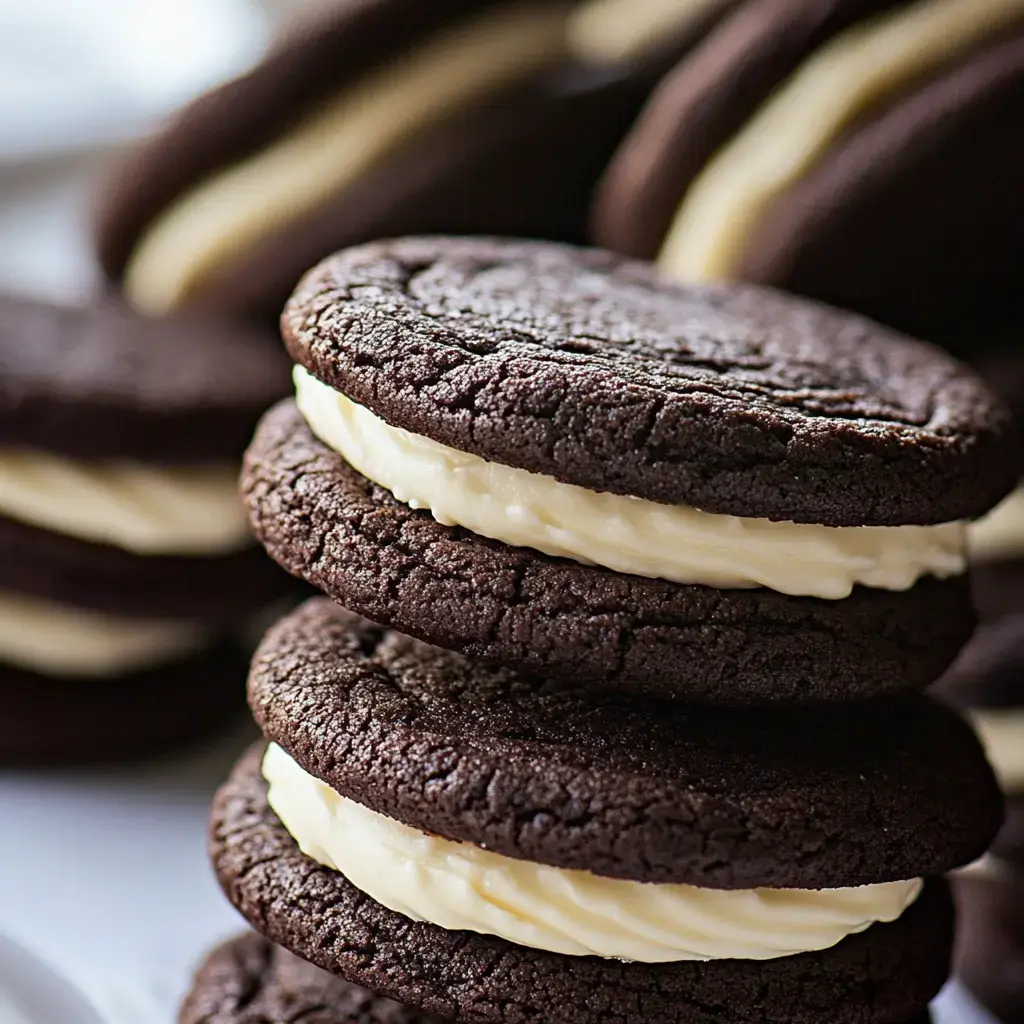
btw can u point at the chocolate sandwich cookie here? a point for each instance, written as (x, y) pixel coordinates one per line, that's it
(489, 846)
(856, 151)
(126, 557)
(556, 459)
(375, 119)
(249, 980)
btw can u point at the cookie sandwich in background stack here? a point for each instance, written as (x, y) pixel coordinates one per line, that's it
(126, 562)
(861, 152)
(593, 838)
(375, 118)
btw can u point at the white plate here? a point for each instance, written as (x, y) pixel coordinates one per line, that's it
(32, 993)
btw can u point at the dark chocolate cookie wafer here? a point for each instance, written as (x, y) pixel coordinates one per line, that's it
(796, 798)
(322, 520)
(141, 714)
(887, 973)
(516, 147)
(249, 980)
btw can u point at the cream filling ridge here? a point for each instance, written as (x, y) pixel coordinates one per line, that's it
(149, 510)
(462, 886)
(336, 145)
(1001, 731)
(794, 127)
(629, 535)
(609, 31)
(1000, 534)
(58, 640)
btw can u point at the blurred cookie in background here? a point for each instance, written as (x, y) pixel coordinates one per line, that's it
(373, 119)
(126, 567)
(862, 152)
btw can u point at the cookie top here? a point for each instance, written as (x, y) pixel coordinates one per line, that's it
(597, 371)
(102, 382)
(801, 799)
(249, 980)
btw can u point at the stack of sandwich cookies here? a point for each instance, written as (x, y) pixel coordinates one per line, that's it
(856, 151)
(490, 846)
(374, 119)
(127, 563)
(557, 460)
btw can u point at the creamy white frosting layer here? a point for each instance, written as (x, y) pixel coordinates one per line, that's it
(335, 145)
(150, 510)
(609, 31)
(843, 78)
(59, 640)
(462, 886)
(1000, 534)
(629, 535)
(1001, 731)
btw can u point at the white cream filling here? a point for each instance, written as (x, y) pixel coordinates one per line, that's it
(629, 535)
(610, 31)
(149, 510)
(336, 145)
(1000, 534)
(58, 640)
(1001, 731)
(462, 886)
(842, 79)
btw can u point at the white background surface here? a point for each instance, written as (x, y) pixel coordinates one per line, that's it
(103, 874)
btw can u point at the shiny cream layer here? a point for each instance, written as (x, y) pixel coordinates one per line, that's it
(57, 640)
(461, 886)
(337, 144)
(609, 31)
(629, 535)
(1000, 535)
(149, 510)
(1001, 731)
(845, 77)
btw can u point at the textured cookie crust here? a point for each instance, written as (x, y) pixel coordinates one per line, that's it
(622, 787)
(885, 974)
(595, 370)
(323, 521)
(102, 382)
(54, 722)
(218, 590)
(249, 980)
(989, 954)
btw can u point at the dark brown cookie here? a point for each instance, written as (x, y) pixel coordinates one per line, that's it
(884, 974)
(221, 590)
(101, 382)
(323, 521)
(249, 980)
(599, 372)
(989, 953)
(700, 105)
(140, 715)
(794, 798)
(914, 217)
(531, 151)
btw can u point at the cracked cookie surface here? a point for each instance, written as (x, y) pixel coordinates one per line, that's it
(622, 787)
(595, 370)
(323, 521)
(887, 973)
